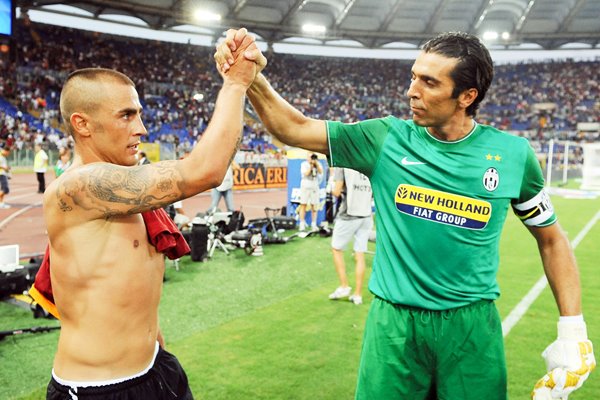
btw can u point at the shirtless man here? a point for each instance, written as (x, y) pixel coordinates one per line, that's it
(106, 275)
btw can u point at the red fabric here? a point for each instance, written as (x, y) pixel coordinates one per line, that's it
(162, 233)
(42, 278)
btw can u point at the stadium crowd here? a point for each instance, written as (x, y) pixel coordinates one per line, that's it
(178, 84)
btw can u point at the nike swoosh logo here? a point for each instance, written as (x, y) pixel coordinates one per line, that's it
(405, 161)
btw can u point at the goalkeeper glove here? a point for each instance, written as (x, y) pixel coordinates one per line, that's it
(569, 361)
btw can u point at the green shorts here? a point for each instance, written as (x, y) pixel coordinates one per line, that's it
(417, 354)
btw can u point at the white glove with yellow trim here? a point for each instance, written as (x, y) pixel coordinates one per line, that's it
(569, 361)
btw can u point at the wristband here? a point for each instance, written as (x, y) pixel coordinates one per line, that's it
(572, 328)
(571, 318)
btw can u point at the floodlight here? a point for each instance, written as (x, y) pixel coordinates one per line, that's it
(312, 28)
(205, 15)
(505, 35)
(490, 35)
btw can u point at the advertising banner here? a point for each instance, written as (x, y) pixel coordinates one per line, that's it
(258, 176)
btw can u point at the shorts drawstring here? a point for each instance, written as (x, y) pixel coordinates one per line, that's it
(427, 316)
(446, 316)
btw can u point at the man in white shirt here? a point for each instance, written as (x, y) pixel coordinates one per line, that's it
(311, 173)
(224, 190)
(353, 220)
(40, 164)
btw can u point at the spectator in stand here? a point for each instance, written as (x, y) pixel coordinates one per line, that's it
(362, 88)
(40, 165)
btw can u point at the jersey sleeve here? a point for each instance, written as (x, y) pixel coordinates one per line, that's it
(534, 207)
(357, 145)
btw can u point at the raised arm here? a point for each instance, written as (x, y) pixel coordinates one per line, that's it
(103, 190)
(284, 121)
(280, 118)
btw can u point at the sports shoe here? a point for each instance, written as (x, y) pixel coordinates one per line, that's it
(314, 227)
(340, 293)
(356, 299)
(4, 205)
(302, 226)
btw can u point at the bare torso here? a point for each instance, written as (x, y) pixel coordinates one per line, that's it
(106, 276)
(107, 281)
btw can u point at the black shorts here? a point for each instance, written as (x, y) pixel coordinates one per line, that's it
(165, 380)
(4, 184)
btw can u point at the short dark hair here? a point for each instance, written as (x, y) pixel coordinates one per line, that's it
(69, 99)
(98, 73)
(313, 156)
(474, 69)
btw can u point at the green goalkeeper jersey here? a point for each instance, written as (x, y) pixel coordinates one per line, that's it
(440, 206)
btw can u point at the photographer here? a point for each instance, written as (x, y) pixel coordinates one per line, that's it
(224, 190)
(311, 172)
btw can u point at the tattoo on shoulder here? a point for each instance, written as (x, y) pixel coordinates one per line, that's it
(116, 190)
(64, 206)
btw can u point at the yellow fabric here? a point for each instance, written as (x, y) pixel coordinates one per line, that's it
(40, 162)
(43, 302)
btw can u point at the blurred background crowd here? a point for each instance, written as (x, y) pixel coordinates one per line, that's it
(178, 84)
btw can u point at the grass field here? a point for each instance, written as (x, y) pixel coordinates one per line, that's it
(262, 328)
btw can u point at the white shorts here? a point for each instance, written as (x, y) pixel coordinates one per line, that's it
(309, 194)
(345, 229)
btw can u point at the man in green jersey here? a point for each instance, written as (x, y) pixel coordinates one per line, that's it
(442, 186)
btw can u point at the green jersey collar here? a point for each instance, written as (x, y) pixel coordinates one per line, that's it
(446, 144)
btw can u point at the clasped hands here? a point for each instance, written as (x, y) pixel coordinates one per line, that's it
(238, 47)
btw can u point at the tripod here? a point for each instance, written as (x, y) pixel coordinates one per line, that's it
(215, 241)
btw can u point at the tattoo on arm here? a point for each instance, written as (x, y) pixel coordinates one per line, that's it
(235, 150)
(116, 190)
